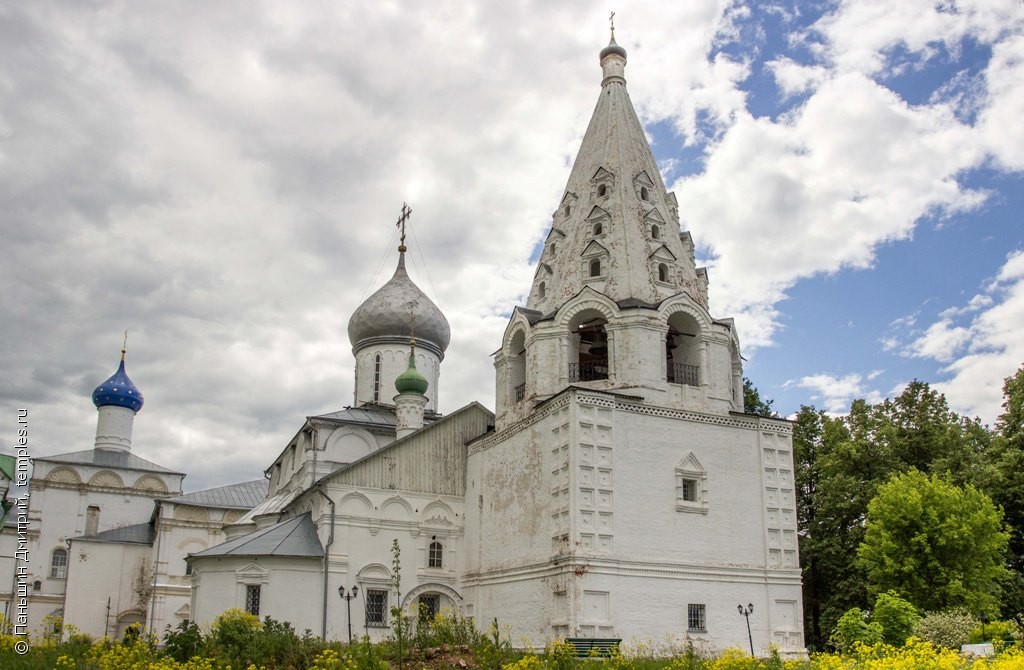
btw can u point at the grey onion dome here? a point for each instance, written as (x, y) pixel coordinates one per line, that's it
(394, 309)
(612, 48)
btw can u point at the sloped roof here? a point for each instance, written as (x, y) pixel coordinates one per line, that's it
(272, 505)
(7, 465)
(292, 537)
(245, 495)
(108, 458)
(139, 533)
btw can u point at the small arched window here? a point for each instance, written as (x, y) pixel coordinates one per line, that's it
(37, 585)
(644, 195)
(598, 228)
(602, 191)
(568, 210)
(59, 564)
(542, 290)
(436, 557)
(655, 232)
(662, 272)
(595, 267)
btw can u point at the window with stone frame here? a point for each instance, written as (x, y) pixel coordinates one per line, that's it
(429, 606)
(691, 485)
(376, 608)
(696, 618)
(59, 564)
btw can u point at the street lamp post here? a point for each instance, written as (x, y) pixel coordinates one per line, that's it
(746, 612)
(348, 596)
(983, 618)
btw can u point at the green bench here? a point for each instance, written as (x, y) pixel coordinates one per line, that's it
(593, 647)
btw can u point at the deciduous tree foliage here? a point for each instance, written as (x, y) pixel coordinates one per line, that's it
(842, 461)
(936, 544)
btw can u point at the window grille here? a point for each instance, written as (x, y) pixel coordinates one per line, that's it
(696, 621)
(252, 599)
(376, 378)
(376, 607)
(430, 605)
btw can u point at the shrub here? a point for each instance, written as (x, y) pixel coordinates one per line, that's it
(853, 627)
(183, 642)
(896, 616)
(995, 631)
(949, 629)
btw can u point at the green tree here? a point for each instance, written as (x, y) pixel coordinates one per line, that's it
(854, 627)
(1006, 486)
(938, 545)
(753, 403)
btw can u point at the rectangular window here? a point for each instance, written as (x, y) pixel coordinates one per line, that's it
(688, 491)
(436, 555)
(59, 564)
(695, 618)
(252, 599)
(430, 605)
(376, 607)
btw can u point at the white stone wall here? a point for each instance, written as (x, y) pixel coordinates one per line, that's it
(584, 529)
(291, 588)
(108, 585)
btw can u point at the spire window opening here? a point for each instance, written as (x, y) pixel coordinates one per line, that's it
(598, 228)
(595, 267)
(682, 350)
(376, 378)
(655, 233)
(602, 191)
(568, 210)
(662, 272)
(644, 195)
(589, 348)
(542, 291)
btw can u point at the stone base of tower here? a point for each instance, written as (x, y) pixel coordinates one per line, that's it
(608, 517)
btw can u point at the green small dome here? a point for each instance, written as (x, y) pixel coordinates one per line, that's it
(411, 381)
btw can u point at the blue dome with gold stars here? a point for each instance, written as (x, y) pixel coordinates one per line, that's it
(118, 391)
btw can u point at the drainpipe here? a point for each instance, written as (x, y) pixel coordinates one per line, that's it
(327, 555)
(156, 563)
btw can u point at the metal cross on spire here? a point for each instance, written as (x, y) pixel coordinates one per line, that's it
(406, 213)
(124, 347)
(611, 19)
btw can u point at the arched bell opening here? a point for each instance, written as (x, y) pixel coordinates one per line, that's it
(588, 347)
(682, 350)
(517, 366)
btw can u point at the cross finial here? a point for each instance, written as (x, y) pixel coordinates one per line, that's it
(124, 346)
(611, 20)
(406, 213)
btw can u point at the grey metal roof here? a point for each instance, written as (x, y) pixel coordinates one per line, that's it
(108, 458)
(368, 414)
(292, 537)
(139, 533)
(245, 495)
(271, 505)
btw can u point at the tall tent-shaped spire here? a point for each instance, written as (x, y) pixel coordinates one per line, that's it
(617, 302)
(616, 228)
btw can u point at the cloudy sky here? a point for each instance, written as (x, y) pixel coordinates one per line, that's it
(222, 180)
